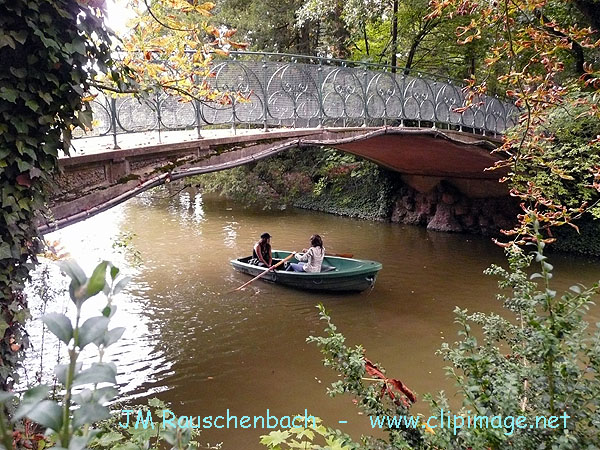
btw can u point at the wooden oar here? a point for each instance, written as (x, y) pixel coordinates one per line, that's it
(341, 255)
(290, 256)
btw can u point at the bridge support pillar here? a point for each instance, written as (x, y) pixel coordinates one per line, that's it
(117, 169)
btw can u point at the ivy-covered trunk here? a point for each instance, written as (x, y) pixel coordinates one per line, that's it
(49, 59)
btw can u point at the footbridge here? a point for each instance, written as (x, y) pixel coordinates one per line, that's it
(404, 121)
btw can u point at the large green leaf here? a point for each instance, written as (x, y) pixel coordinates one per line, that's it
(97, 281)
(30, 399)
(92, 329)
(73, 270)
(89, 413)
(59, 325)
(111, 336)
(48, 414)
(97, 373)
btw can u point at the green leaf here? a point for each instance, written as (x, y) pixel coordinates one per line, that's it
(114, 271)
(66, 137)
(334, 443)
(126, 446)
(33, 105)
(61, 371)
(98, 279)
(7, 40)
(108, 439)
(121, 284)
(23, 166)
(20, 36)
(48, 414)
(109, 311)
(100, 395)
(73, 270)
(31, 399)
(19, 72)
(112, 336)
(5, 252)
(46, 97)
(274, 438)
(8, 94)
(97, 373)
(156, 403)
(89, 413)
(59, 325)
(91, 330)
(85, 117)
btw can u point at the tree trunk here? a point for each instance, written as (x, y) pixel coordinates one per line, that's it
(341, 35)
(394, 36)
(411, 56)
(590, 9)
(427, 27)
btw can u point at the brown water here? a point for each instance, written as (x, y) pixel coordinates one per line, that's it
(191, 342)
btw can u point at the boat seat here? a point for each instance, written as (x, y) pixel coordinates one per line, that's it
(326, 268)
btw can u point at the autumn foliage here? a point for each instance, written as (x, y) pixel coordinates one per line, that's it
(170, 47)
(542, 48)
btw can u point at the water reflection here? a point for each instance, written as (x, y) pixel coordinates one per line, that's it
(90, 242)
(205, 349)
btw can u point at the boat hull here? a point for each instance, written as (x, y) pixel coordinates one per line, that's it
(347, 275)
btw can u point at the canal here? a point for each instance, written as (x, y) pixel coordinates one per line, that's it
(192, 342)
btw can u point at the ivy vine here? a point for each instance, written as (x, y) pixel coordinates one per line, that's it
(51, 51)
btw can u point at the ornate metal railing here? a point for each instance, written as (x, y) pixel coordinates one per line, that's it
(303, 91)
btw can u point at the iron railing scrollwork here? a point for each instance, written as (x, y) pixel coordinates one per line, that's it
(282, 90)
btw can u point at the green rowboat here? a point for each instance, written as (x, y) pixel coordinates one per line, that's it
(337, 274)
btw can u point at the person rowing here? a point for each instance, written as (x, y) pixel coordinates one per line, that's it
(261, 253)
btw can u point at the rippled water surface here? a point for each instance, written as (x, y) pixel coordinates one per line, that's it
(194, 343)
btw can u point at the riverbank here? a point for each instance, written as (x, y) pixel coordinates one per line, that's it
(333, 182)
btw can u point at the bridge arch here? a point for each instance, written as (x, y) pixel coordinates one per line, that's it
(93, 183)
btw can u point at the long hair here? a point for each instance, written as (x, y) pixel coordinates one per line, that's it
(264, 243)
(316, 241)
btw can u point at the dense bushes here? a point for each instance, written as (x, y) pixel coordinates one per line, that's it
(319, 179)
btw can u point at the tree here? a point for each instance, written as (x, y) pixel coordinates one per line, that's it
(269, 25)
(541, 358)
(170, 48)
(342, 22)
(542, 47)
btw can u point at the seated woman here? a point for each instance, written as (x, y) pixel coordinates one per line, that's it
(261, 253)
(313, 256)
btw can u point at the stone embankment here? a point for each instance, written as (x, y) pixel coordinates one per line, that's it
(445, 208)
